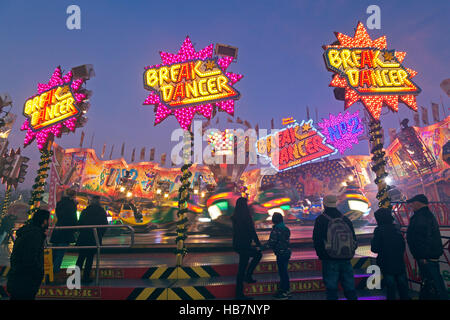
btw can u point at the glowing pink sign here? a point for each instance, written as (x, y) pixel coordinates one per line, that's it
(58, 107)
(342, 131)
(190, 82)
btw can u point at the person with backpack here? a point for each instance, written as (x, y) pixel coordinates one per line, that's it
(279, 242)
(388, 242)
(425, 243)
(244, 233)
(335, 244)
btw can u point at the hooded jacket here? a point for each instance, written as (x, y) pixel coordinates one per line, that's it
(321, 229)
(66, 213)
(27, 260)
(423, 235)
(388, 242)
(279, 240)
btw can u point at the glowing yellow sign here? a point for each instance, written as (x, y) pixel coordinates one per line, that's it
(370, 70)
(49, 107)
(190, 83)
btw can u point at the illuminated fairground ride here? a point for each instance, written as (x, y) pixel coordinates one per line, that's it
(143, 195)
(230, 158)
(299, 191)
(230, 149)
(416, 160)
(160, 211)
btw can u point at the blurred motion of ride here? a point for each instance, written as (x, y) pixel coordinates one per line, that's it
(271, 199)
(308, 209)
(353, 203)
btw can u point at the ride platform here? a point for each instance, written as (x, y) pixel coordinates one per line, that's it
(204, 276)
(162, 240)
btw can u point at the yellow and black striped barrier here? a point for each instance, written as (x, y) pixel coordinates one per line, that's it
(362, 263)
(175, 273)
(148, 294)
(189, 293)
(179, 293)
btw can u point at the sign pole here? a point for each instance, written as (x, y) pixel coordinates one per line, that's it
(42, 174)
(379, 164)
(183, 197)
(6, 200)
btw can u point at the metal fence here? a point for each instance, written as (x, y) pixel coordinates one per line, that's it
(403, 211)
(97, 246)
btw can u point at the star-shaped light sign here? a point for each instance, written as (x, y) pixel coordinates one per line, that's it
(190, 82)
(342, 131)
(370, 73)
(56, 108)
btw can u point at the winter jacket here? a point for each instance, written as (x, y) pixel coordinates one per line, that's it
(93, 215)
(66, 213)
(27, 261)
(279, 240)
(321, 229)
(423, 235)
(244, 232)
(388, 242)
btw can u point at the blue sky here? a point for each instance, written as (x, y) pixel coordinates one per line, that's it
(280, 56)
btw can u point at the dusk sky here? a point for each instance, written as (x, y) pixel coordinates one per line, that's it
(280, 56)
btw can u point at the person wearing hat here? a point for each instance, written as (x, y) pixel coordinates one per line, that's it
(66, 215)
(94, 214)
(335, 267)
(425, 243)
(388, 242)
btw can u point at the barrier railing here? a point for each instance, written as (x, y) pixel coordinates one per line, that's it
(97, 246)
(403, 212)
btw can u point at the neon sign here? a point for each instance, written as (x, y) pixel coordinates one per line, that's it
(295, 145)
(50, 107)
(56, 108)
(342, 131)
(190, 82)
(370, 73)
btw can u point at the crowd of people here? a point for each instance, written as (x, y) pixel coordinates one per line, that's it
(27, 257)
(335, 244)
(334, 240)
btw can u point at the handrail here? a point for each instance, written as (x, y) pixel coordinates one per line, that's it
(90, 227)
(97, 246)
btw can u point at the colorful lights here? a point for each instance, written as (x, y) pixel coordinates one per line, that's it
(221, 142)
(294, 146)
(57, 107)
(190, 82)
(276, 202)
(223, 195)
(370, 73)
(342, 131)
